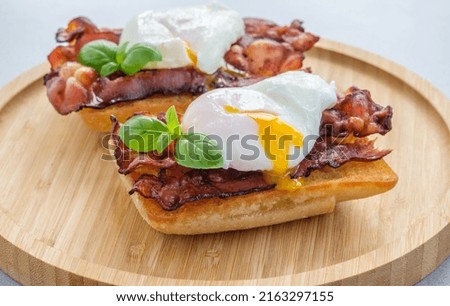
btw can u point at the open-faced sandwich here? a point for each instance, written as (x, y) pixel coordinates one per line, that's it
(164, 58)
(282, 149)
(215, 125)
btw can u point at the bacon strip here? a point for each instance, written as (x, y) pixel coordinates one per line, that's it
(147, 83)
(79, 32)
(335, 153)
(70, 89)
(77, 86)
(173, 190)
(129, 160)
(356, 114)
(267, 49)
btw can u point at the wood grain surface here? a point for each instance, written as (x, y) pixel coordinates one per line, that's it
(66, 219)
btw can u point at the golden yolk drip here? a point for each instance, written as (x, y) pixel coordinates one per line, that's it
(191, 54)
(276, 137)
(284, 182)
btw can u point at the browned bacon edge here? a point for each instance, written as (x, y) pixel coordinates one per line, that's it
(356, 114)
(129, 160)
(335, 152)
(174, 189)
(265, 50)
(79, 32)
(161, 178)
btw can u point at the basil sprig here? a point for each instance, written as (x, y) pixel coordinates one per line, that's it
(106, 57)
(193, 150)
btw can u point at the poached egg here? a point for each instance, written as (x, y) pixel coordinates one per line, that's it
(269, 126)
(194, 36)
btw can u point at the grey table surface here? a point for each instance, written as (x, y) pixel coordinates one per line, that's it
(413, 33)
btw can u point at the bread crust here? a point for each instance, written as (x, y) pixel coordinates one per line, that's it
(318, 195)
(99, 119)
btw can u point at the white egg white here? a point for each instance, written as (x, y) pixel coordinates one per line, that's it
(207, 30)
(296, 97)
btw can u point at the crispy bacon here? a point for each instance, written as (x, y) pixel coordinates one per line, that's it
(148, 82)
(129, 160)
(77, 86)
(356, 114)
(79, 32)
(267, 49)
(335, 152)
(70, 89)
(173, 189)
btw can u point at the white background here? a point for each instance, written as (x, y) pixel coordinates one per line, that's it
(414, 33)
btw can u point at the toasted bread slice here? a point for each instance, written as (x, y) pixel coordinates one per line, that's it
(99, 119)
(318, 195)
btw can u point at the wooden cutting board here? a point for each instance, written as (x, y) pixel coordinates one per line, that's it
(66, 219)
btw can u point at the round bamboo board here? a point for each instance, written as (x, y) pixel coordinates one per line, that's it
(66, 219)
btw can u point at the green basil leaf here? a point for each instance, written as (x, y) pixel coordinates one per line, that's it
(172, 121)
(97, 53)
(198, 151)
(138, 56)
(109, 68)
(163, 142)
(121, 52)
(141, 133)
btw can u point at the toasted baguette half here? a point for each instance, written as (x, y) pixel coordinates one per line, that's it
(99, 119)
(318, 195)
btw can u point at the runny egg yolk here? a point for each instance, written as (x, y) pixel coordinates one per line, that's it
(276, 137)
